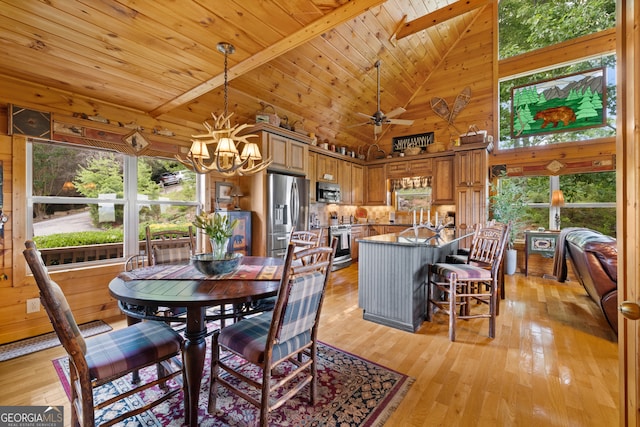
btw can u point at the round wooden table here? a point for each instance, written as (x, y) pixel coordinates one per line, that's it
(171, 286)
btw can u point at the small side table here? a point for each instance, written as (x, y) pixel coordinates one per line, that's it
(541, 243)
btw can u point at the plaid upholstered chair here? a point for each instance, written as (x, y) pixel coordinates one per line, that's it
(452, 287)
(106, 357)
(170, 246)
(287, 335)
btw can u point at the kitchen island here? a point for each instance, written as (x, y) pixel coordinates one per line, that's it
(392, 274)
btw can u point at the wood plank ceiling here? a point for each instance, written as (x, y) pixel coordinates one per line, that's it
(312, 60)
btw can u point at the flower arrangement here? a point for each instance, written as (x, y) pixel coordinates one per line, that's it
(218, 228)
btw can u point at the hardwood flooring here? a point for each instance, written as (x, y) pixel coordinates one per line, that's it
(554, 361)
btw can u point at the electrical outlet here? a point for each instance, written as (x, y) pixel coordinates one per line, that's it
(33, 305)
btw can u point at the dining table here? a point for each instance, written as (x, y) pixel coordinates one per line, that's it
(183, 286)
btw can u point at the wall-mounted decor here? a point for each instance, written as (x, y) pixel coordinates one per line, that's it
(421, 140)
(24, 121)
(575, 101)
(442, 109)
(223, 192)
(136, 140)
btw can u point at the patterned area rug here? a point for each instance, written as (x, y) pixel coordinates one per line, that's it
(42, 342)
(351, 392)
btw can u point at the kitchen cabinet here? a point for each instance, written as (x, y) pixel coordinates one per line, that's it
(421, 167)
(442, 181)
(375, 186)
(357, 182)
(344, 180)
(357, 232)
(326, 168)
(311, 176)
(471, 167)
(471, 170)
(287, 155)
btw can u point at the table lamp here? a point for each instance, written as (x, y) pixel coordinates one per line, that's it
(236, 193)
(557, 200)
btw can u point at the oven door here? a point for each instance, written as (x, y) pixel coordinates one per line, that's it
(343, 250)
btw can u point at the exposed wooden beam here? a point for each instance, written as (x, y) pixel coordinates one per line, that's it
(439, 16)
(340, 15)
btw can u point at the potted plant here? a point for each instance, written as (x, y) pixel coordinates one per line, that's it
(219, 230)
(508, 201)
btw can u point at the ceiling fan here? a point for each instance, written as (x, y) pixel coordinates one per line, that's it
(379, 118)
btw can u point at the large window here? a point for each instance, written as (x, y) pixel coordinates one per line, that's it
(590, 201)
(526, 25)
(90, 205)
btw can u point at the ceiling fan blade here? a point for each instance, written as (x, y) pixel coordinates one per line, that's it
(358, 124)
(368, 116)
(400, 122)
(395, 112)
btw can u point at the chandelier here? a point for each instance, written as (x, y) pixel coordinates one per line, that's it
(234, 154)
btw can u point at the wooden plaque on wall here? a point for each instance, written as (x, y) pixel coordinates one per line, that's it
(24, 121)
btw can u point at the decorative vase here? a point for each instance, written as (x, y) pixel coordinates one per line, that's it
(511, 262)
(219, 248)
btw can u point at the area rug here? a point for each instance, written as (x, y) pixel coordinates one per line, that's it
(351, 392)
(48, 340)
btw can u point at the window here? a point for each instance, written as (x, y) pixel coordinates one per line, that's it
(90, 205)
(526, 25)
(590, 201)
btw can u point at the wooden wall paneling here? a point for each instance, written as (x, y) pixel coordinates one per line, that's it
(628, 197)
(561, 53)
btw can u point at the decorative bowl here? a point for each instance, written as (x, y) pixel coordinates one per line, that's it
(206, 264)
(412, 151)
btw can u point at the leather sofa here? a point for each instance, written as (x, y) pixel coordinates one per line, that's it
(594, 259)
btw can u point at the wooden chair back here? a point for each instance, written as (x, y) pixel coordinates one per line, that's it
(170, 246)
(488, 246)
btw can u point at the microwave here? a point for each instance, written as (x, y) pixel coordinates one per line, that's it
(328, 192)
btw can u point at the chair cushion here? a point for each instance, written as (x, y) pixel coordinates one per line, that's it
(299, 314)
(171, 255)
(463, 271)
(248, 338)
(130, 348)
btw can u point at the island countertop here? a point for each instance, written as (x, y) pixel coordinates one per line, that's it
(424, 237)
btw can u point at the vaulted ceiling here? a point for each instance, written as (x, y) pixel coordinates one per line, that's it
(312, 60)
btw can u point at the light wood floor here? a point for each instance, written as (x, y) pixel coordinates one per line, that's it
(553, 361)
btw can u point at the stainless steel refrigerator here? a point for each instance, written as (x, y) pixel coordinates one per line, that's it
(287, 209)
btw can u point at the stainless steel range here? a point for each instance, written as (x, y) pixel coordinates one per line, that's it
(343, 251)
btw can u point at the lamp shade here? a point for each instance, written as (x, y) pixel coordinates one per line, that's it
(226, 148)
(236, 192)
(251, 151)
(199, 150)
(557, 198)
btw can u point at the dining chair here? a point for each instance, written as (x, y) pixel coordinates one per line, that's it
(170, 246)
(285, 337)
(106, 357)
(452, 287)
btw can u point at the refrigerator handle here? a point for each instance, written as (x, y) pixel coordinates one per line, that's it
(295, 204)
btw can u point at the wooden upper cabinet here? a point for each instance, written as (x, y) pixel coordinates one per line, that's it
(311, 175)
(344, 180)
(287, 155)
(442, 181)
(405, 168)
(471, 168)
(357, 182)
(375, 188)
(326, 168)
